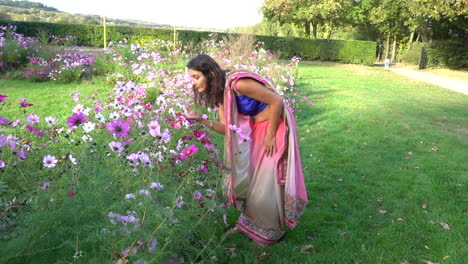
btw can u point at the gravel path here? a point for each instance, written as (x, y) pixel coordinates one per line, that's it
(452, 84)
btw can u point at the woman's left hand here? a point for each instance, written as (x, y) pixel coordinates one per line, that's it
(270, 145)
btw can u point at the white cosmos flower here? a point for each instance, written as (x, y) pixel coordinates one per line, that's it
(114, 116)
(87, 138)
(88, 127)
(51, 120)
(72, 159)
(100, 118)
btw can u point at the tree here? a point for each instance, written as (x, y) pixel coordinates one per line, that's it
(308, 14)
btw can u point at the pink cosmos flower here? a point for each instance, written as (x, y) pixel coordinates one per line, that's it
(179, 201)
(156, 186)
(144, 192)
(16, 122)
(190, 151)
(199, 134)
(129, 196)
(198, 196)
(152, 245)
(176, 125)
(32, 118)
(203, 168)
(235, 128)
(119, 128)
(45, 186)
(49, 161)
(116, 146)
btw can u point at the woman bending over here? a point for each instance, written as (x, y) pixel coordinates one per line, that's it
(264, 178)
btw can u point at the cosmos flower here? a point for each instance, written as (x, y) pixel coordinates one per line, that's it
(156, 186)
(3, 97)
(119, 128)
(22, 102)
(32, 118)
(45, 186)
(100, 118)
(88, 127)
(76, 119)
(49, 161)
(198, 196)
(116, 146)
(190, 151)
(72, 159)
(129, 196)
(51, 120)
(4, 121)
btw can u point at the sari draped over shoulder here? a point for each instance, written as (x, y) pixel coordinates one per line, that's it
(269, 191)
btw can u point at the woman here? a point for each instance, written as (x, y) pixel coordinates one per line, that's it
(264, 179)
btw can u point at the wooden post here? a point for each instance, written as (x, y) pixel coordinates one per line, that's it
(105, 32)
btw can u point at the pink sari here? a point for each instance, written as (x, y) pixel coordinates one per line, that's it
(269, 191)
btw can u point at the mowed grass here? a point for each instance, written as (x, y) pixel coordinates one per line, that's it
(384, 159)
(386, 169)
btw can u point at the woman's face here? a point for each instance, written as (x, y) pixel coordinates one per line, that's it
(198, 80)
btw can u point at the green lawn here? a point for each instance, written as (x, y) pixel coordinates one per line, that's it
(377, 148)
(385, 164)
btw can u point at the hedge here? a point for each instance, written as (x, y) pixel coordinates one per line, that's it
(437, 54)
(347, 51)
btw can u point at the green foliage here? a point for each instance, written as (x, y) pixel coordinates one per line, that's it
(413, 54)
(361, 52)
(448, 53)
(440, 54)
(351, 51)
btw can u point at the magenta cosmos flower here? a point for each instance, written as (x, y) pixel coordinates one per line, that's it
(190, 151)
(4, 121)
(76, 119)
(3, 97)
(22, 102)
(119, 128)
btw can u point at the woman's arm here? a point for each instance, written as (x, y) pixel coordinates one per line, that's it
(258, 91)
(215, 126)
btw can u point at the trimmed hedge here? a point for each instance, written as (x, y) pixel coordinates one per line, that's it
(347, 51)
(438, 54)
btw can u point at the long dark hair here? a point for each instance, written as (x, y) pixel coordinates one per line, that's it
(215, 80)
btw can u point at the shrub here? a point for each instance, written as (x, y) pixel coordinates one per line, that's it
(447, 53)
(347, 51)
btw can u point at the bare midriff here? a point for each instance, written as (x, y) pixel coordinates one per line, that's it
(263, 115)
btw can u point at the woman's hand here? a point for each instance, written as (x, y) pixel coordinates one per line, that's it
(270, 145)
(193, 115)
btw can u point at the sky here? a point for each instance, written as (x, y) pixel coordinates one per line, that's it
(215, 14)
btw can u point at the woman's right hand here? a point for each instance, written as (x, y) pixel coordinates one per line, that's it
(193, 115)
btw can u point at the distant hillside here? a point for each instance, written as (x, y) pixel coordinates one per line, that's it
(34, 11)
